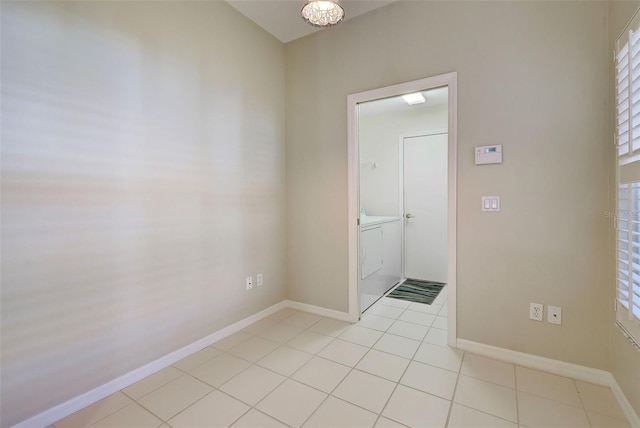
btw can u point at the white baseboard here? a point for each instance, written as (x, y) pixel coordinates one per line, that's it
(587, 374)
(69, 407)
(317, 310)
(627, 408)
(561, 368)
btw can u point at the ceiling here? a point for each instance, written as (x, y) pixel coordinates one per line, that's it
(433, 97)
(282, 17)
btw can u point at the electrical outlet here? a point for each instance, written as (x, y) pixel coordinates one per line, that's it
(554, 314)
(259, 279)
(249, 283)
(535, 311)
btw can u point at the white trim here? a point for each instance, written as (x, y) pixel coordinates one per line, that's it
(403, 277)
(81, 401)
(627, 321)
(627, 408)
(449, 80)
(452, 223)
(317, 310)
(561, 368)
(575, 371)
(353, 207)
(412, 134)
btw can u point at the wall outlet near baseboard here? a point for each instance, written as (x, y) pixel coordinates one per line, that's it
(554, 314)
(249, 283)
(535, 311)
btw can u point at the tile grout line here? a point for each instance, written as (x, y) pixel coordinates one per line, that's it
(334, 388)
(106, 416)
(173, 416)
(289, 377)
(217, 388)
(460, 374)
(329, 394)
(455, 388)
(354, 367)
(184, 372)
(281, 345)
(395, 388)
(584, 408)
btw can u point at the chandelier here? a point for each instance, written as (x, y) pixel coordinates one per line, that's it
(323, 13)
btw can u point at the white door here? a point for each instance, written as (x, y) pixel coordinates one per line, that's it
(425, 207)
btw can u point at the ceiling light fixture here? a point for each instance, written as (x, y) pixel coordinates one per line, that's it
(322, 13)
(415, 98)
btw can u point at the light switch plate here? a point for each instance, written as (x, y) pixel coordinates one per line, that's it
(491, 203)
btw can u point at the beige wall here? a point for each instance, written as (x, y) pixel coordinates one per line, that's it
(143, 178)
(625, 361)
(532, 77)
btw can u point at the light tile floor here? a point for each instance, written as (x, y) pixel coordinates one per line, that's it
(391, 369)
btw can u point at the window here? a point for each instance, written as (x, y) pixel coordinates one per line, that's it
(628, 181)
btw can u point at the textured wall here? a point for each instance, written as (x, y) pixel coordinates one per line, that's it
(143, 178)
(532, 76)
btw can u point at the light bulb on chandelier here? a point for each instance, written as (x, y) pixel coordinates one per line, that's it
(322, 13)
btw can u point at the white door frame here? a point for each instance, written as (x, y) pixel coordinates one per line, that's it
(401, 139)
(449, 80)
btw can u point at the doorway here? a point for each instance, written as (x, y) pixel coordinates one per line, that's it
(358, 165)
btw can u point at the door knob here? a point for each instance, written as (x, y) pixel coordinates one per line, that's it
(410, 216)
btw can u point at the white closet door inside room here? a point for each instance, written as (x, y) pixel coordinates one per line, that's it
(425, 207)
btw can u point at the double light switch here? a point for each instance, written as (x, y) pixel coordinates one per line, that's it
(491, 203)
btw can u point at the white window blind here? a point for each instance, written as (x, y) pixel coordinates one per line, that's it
(628, 181)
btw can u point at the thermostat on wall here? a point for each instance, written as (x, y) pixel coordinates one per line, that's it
(488, 154)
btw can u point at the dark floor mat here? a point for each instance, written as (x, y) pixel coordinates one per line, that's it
(418, 291)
